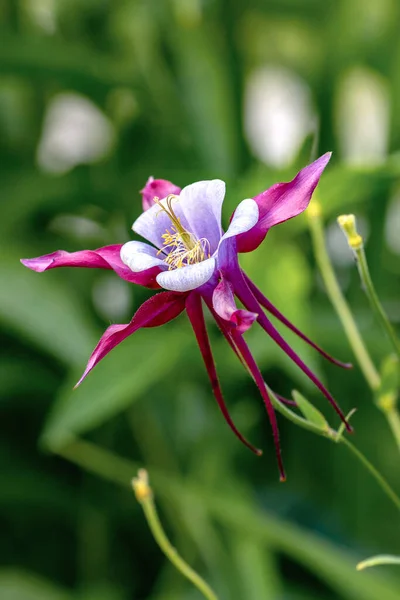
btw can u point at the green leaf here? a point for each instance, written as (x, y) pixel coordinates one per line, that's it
(123, 377)
(312, 414)
(380, 559)
(293, 416)
(43, 310)
(22, 585)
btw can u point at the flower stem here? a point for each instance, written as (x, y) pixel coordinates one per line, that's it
(348, 225)
(335, 294)
(144, 496)
(374, 472)
(337, 437)
(365, 276)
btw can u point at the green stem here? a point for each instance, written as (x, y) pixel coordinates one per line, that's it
(374, 472)
(337, 437)
(144, 495)
(314, 553)
(387, 403)
(338, 300)
(365, 276)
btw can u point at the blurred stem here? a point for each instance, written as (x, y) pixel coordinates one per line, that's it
(114, 468)
(144, 496)
(149, 436)
(156, 451)
(310, 550)
(337, 298)
(393, 418)
(365, 276)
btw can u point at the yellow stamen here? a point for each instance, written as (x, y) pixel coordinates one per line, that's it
(185, 248)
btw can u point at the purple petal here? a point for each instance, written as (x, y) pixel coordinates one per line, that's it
(107, 257)
(225, 330)
(259, 381)
(247, 298)
(224, 305)
(201, 203)
(159, 188)
(187, 278)
(283, 201)
(139, 256)
(157, 310)
(274, 311)
(227, 333)
(196, 317)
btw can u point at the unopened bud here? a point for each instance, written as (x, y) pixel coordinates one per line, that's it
(141, 486)
(347, 224)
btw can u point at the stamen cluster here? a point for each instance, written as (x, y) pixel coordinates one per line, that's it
(184, 248)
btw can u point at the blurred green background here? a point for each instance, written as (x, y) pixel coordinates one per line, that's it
(95, 96)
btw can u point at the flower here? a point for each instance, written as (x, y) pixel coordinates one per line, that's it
(188, 254)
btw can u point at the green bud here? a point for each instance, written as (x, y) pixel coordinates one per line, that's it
(347, 224)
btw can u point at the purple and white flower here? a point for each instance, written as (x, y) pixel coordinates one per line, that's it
(188, 254)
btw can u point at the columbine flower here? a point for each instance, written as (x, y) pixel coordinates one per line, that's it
(190, 256)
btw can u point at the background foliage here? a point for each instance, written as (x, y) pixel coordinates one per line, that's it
(173, 83)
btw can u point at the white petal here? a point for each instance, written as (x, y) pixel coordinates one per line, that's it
(139, 256)
(201, 203)
(245, 217)
(187, 278)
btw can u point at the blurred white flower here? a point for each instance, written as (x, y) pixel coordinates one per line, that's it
(278, 114)
(75, 131)
(362, 116)
(42, 13)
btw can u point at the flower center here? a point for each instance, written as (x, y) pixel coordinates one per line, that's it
(184, 247)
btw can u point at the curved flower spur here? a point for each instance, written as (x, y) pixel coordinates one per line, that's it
(190, 257)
